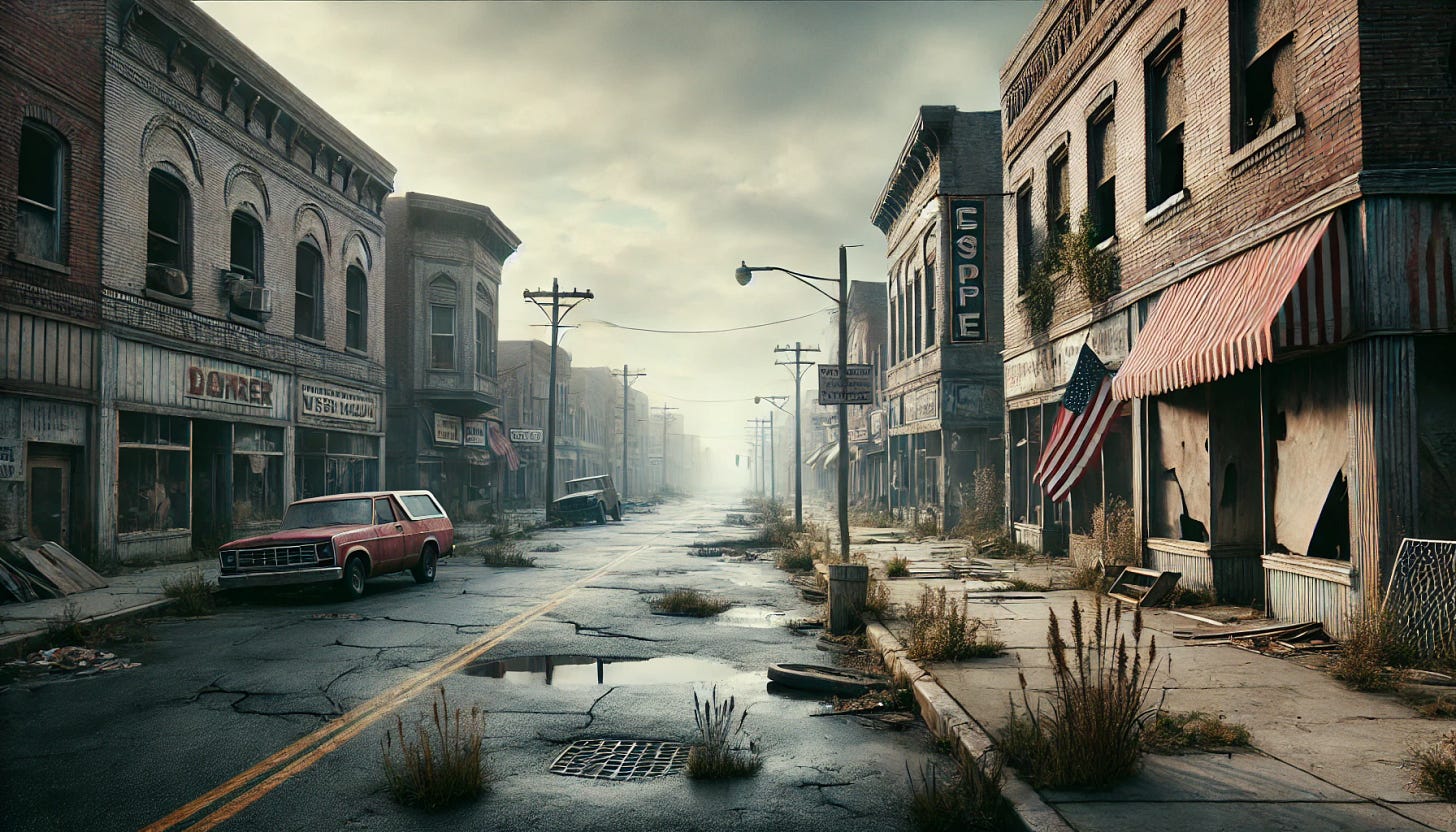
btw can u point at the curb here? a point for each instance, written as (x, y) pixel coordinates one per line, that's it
(947, 719)
(35, 638)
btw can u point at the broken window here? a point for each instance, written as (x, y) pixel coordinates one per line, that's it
(1059, 197)
(331, 462)
(39, 193)
(257, 473)
(1102, 171)
(308, 295)
(167, 235)
(153, 472)
(356, 305)
(1164, 75)
(484, 340)
(1023, 236)
(1263, 72)
(245, 259)
(1025, 450)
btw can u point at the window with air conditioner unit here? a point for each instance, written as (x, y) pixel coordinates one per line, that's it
(242, 282)
(168, 236)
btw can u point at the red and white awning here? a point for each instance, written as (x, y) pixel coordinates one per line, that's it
(1222, 320)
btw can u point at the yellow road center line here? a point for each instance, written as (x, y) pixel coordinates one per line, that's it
(304, 752)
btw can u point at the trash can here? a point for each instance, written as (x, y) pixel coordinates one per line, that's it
(847, 585)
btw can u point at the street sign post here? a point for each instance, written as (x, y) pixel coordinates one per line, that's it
(857, 386)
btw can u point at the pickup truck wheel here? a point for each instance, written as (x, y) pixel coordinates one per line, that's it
(352, 586)
(601, 514)
(617, 512)
(424, 570)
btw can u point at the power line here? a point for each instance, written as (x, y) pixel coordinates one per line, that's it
(707, 331)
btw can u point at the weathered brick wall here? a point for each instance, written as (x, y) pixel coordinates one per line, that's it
(50, 72)
(1408, 82)
(157, 120)
(1228, 191)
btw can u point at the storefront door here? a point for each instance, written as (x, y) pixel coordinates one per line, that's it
(212, 479)
(48, 481)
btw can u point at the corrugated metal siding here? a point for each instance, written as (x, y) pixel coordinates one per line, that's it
(1297, 597)
(48, 352)
(1382, 465)
(1235, 577)
(1028, 536)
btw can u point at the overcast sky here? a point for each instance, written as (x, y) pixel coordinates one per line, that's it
(643, 149)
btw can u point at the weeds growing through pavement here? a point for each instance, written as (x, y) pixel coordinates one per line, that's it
(547, 547)
(1435, 768)
(1166, 733)
(505, 553)
(877, 599)
(192, 593)
(928, 525)
(1087, 733)
(722, 747)
(1375, 644)
(689, 602)
(1022, 585)
(440, 767)
(971, 800)
(775, 526)
(1441, 707)
(1198, 596)
(67, 628)
(1089, 577)
(791, 560)
(897, 567)
(940, 631)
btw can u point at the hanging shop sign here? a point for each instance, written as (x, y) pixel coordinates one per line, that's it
(12, 460)
(527, 436)
(233, 388)
(447, 429)
(857, 386)
(475, 433)
(326, 401)
(967, 284)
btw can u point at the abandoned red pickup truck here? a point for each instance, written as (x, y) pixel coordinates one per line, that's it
(343, 539)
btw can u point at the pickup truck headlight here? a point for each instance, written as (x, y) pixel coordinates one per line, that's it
(326, 551)
(229, 560)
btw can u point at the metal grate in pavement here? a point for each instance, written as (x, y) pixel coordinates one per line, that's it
(621, 759)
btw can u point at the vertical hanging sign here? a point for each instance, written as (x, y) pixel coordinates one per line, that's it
(967, 284)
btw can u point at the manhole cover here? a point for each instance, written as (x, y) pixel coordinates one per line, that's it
(621, 759)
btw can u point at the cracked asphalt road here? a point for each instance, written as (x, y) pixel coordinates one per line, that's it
(215, 696)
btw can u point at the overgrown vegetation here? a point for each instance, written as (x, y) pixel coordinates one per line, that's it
(547, 547)
(191, 593)
(1439, 707)
(722, 748)
(1087, 733)
(1023, 585)
(1093, 271)
(970, 800)
(878, 519)
(775, 526)
(689, 602)
(1435, 768)
(505, 554)
(793, 560)
(981, 503)
(1191, 596)
(67, 629)
(877, 599)
(1166, 733)
(897, 567)
(940, 631)
(1375, 646)
(1090, 577)
(1115, 529)
(439, 768)
(1039, 292)
(927, 524)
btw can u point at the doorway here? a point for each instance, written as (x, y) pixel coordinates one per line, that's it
(48, 484)
(212, 483)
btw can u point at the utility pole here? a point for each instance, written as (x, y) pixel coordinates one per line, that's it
(666, 418)
(628, 379)
(797, 367)
(555, 312)
(765, 471)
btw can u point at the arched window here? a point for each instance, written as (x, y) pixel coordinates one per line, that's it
(246, 255)
(308, 294)
(443, 303)
(356, 305)
(169, 218)
(40, 192)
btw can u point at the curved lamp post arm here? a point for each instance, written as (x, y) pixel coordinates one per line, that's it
(744, 273)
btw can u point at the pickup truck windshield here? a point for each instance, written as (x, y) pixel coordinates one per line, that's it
(583, 485)
(329, 513)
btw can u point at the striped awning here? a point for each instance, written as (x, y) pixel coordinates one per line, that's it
(813, 459)
(1221, 321)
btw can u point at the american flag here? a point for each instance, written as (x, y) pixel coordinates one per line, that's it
(1087, 409)
(502, 446)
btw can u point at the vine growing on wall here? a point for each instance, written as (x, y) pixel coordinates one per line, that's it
(1039, 297)
(1094, 271)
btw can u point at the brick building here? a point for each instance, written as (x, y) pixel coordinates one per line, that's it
(940, 212)
(869, 475)
(1274, 181)
(442, 285)
(50, 269)
(588, 439)
(524, 373)
(242, 349)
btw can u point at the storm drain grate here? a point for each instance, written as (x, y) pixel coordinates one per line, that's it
(621, 759)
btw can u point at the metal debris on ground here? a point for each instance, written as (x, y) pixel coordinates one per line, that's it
(609, 759)
(79, 661)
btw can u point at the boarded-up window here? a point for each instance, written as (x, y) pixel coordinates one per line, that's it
(1436, 401)
(1164, 74)
(39, 193)
(1102, 171)
(308, 291)
(1263, 71)
(1058, 196)
(1308, 405)
(1178, 479)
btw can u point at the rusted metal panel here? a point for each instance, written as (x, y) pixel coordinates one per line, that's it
(1383, 469)
(52, 353)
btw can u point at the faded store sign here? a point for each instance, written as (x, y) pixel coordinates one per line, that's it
(967, 284)
(43, 421)
(475, 433)
(923, 404)
(328, 402)
(527, 436)
(971, 400)
(12, 460)
(233, 388)
(447, 429)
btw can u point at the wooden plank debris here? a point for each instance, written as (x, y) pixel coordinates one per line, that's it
(1125, 588)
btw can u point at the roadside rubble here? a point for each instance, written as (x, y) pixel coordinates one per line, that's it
(34, 569)
(77, 661)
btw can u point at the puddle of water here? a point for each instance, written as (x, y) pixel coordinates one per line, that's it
(758, 617)
(579, 671)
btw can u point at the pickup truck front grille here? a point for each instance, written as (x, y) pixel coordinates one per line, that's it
(279, 556)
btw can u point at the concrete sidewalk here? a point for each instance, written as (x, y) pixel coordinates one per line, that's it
(1324, 757)
(135, 592)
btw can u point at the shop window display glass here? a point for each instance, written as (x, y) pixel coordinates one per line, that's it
(330, 462)
(257, 473)
(153, 473)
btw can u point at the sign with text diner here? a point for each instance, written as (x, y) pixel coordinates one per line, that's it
(527, 436)
(326, 401)
(474, 433)
(233, 388)
(857, 386)
(447, 429)
(967, 282)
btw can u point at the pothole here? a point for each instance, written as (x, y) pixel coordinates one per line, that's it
(759, 617)
(608, 759)
(580, 671)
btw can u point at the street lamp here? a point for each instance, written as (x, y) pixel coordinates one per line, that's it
(744, 274)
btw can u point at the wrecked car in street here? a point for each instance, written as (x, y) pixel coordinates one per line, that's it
(343, 539)
(588, 498)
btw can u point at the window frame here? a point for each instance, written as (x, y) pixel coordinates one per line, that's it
(317, 284)
(1058, 192)
(59, 163)
(1102, 186)
(1025, 234)
(1243, 62)
(159, 177)
(1157, 67)
(447, 313)
(356, 317)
